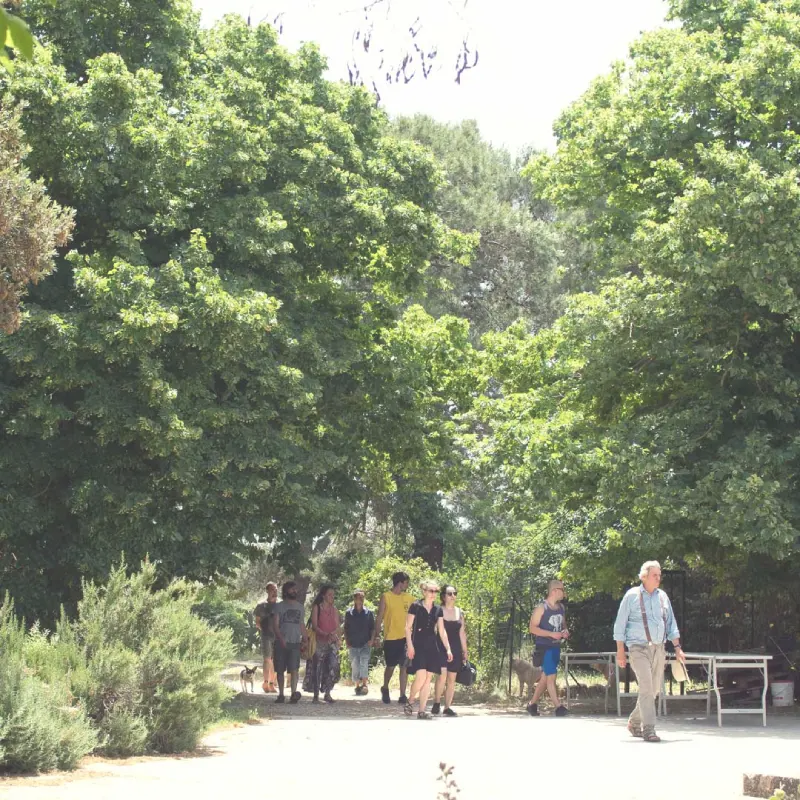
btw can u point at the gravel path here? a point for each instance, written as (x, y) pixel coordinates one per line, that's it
(342, 751)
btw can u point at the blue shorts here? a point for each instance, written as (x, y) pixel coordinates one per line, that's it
(551, 658)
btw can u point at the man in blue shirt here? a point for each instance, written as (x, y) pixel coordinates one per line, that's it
(644, 622)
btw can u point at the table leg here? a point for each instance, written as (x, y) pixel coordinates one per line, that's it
(619, 702)
(708, 690)
(566, 674)
(764, 697)
(716, 691)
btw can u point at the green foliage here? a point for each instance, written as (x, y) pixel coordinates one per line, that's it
(151, 660)
(217, 606)
(216, 366)
(41, 726)
(159, 35)
(14, 34)
(378, 578)
(514, 272)
(659, 412)
(33, 225)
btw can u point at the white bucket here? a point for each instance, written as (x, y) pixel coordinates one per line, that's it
(782, 693)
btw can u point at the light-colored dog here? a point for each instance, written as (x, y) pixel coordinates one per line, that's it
(246, 677)
(527, 674)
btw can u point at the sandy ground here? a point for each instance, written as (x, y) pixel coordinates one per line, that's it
(362, 748)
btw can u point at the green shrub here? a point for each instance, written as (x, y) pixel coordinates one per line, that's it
(150, 659)
(124, 733)
(41, 726)
(378, 579)
(219, 608)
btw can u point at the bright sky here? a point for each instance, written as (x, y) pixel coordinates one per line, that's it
(536, 56)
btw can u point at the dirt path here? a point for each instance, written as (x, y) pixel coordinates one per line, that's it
(343, 751)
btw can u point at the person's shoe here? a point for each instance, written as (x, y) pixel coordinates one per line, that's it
(280, 699)
(652, 736)
(358, 690)
(328, 698)
(633, 731)
(364, 690)
(384, 694)
(436, 708)
(533, 709)
(448, 712)
(295, 697)
(561, 711)
(315, 699)
(402, 699)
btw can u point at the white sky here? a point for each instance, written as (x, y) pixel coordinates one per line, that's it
(536, 56)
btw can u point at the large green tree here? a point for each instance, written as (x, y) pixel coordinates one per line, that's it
(660, 412)
(514, 274)
(212, 366)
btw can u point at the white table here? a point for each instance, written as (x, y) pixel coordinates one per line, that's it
(704, 659)
(740, 661)
(713, 662)
(605, 658)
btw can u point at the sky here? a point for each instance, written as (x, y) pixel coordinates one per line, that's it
(535, 56)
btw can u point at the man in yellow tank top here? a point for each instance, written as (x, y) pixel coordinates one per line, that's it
(392, 612)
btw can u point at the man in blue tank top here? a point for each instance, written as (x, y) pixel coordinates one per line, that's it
(548, 625)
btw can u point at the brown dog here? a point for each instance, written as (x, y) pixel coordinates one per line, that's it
(527, 674)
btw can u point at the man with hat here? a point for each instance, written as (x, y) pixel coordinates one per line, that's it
(359, 628)
(644, 622)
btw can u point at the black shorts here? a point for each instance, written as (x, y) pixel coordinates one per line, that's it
(287, 659)
(394, 652)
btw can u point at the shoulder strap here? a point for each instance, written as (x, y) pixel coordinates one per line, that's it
(644, 617)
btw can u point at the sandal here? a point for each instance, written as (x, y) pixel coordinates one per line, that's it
(408, 709)
(423, 715)
(634, 731)
(651, 737)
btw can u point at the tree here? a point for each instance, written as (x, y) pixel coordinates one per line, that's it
(514, 273)
(660, 411)
(200, 376)
(31, 225)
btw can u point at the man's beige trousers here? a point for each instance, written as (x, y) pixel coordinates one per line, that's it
(648, 664)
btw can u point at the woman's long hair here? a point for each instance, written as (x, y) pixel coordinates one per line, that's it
(318, 600)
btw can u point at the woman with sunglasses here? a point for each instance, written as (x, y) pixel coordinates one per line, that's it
(456, 628)
(424, 646)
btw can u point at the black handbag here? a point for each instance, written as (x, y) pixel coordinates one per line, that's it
(467, 675)
(538, 656)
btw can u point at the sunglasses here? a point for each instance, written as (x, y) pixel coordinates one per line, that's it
(432, 590)
(451, 594)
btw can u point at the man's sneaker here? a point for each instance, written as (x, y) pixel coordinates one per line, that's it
(295, 697)
(402, 699)
(448, 712)
(384, 694)
(533, 709)
(280, 699)
(436, 708)
(561, 711)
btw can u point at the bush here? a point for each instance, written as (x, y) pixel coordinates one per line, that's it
(41, 726)
(219, 608)
(152, 660)
(378, 578)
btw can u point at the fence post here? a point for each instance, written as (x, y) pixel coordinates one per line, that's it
(511, 640)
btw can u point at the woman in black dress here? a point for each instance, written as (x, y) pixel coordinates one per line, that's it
(456, 629)
(427, 646)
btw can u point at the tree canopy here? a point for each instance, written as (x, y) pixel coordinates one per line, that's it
(217, 363)
(659, 412)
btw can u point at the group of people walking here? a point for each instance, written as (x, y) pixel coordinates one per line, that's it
(423, 638)
(427, 639)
